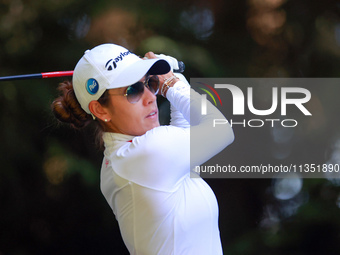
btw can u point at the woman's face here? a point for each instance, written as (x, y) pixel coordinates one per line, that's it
(132, 119)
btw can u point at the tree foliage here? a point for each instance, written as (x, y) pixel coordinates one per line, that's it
(49, 176)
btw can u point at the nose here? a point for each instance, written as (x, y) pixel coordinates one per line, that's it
(148, 96)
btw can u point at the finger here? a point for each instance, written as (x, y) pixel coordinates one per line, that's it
(150, 54)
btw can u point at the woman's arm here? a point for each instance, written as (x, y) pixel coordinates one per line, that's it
(176, 117)
(205, 139)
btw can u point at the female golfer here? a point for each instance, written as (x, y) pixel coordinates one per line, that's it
(162, 207)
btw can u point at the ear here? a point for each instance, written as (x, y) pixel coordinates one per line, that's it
(99, 111)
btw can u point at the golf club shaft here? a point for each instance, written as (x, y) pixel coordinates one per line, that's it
(37, 76)
(180, 69)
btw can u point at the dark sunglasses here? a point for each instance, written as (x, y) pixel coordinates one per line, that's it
(135, 91)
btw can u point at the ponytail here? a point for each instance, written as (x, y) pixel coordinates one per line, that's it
(66, 107)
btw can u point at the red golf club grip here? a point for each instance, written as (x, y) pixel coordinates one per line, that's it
(56, 74)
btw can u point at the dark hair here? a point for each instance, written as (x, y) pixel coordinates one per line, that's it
(67, 109)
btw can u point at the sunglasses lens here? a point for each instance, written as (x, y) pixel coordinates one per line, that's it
(153, 84)
(134, 92)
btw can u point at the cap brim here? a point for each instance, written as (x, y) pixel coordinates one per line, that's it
(137, 70)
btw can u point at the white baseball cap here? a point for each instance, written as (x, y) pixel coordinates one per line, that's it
(110, 66)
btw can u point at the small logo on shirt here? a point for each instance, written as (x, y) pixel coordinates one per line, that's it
(107, 162)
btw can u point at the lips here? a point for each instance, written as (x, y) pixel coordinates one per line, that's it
(152, 114)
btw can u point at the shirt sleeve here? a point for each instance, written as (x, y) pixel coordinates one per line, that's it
(206, 140)
(164, 155)
(177, 118)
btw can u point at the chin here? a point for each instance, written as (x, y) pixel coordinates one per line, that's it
(152, 127)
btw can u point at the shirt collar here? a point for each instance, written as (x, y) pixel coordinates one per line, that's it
(111, 139)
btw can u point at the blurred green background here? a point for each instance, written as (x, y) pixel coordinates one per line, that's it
(50, 202)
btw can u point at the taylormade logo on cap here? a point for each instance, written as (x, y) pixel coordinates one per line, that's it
(112, 63)
(92, 86)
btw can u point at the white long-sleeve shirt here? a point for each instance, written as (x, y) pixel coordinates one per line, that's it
(160, 208)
